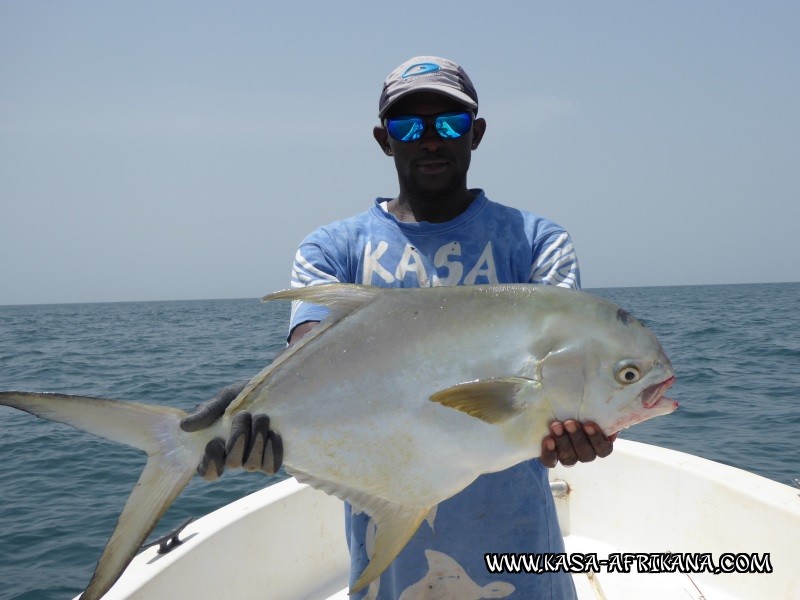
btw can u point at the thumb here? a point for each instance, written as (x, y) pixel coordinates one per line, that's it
(203, 416)
(208, 412)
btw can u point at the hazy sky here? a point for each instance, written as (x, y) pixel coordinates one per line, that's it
(180, 150)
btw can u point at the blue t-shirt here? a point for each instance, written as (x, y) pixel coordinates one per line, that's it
(510, 511)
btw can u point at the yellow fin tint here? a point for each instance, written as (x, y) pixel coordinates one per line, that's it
(341, 298)
(495, 400)
(395, 524)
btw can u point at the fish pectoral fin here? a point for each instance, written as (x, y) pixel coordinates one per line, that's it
(395, 524)
(341, 298)
(494, 400)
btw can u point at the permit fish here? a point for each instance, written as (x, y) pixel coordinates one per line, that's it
(398, 400)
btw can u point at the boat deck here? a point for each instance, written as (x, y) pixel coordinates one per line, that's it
(286, 542)
(652, 586)
(599, 585)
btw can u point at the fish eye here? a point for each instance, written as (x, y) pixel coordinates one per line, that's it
(628, 374)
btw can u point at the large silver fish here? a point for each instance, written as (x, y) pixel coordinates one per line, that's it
(399, 400)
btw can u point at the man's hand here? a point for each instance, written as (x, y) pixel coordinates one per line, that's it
(570, 442)
(250, 443)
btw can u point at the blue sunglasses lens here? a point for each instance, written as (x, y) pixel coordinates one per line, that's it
(449, 126)
(454, 125)
(405, 129)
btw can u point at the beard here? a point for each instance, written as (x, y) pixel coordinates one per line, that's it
(432, 189)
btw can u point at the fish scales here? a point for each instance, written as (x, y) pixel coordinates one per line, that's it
(399, 400)
(385, 408)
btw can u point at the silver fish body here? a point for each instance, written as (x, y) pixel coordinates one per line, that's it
(360, 393)
(400, 399)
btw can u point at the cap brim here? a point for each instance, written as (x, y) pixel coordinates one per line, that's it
(439, 89)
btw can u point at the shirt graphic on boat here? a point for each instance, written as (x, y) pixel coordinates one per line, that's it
(510, 511)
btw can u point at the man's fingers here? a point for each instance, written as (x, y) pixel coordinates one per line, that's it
(548, 456)
(250, 444)
(266, 454)
(237, 449)
(258, 438)
(603, 446)
(564, 450)
(575, 442)
(581, 445)
(273, 455)
(213, 463)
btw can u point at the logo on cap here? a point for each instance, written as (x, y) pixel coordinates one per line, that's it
(420, 69)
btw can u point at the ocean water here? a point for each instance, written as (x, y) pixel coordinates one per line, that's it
(735, 349)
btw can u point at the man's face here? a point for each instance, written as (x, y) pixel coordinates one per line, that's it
(431, 167)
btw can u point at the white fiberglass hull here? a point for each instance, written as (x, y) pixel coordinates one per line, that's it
(287, 541)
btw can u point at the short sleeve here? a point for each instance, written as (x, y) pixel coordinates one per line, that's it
(312, 266)
(555, 262)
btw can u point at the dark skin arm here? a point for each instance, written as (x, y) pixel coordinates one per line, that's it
(299, 331)
(568, 443)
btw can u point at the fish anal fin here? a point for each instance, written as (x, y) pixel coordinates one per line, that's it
(395, 524)
(494, 400)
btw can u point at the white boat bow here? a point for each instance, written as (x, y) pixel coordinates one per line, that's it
(286, 542)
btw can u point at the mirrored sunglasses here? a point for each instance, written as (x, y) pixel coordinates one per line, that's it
(409, 128)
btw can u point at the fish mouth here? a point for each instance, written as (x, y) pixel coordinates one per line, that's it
(652, 396)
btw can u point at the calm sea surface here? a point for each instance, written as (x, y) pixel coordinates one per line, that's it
(735, 349)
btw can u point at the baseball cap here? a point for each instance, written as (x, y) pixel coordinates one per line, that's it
(427, 74)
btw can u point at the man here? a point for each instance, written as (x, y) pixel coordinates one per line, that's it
(437, 231)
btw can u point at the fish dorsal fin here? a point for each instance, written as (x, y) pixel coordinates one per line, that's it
(395, 522)
(494, 400)
(341, 298)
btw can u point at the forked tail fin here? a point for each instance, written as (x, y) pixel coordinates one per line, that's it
(172, 457)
